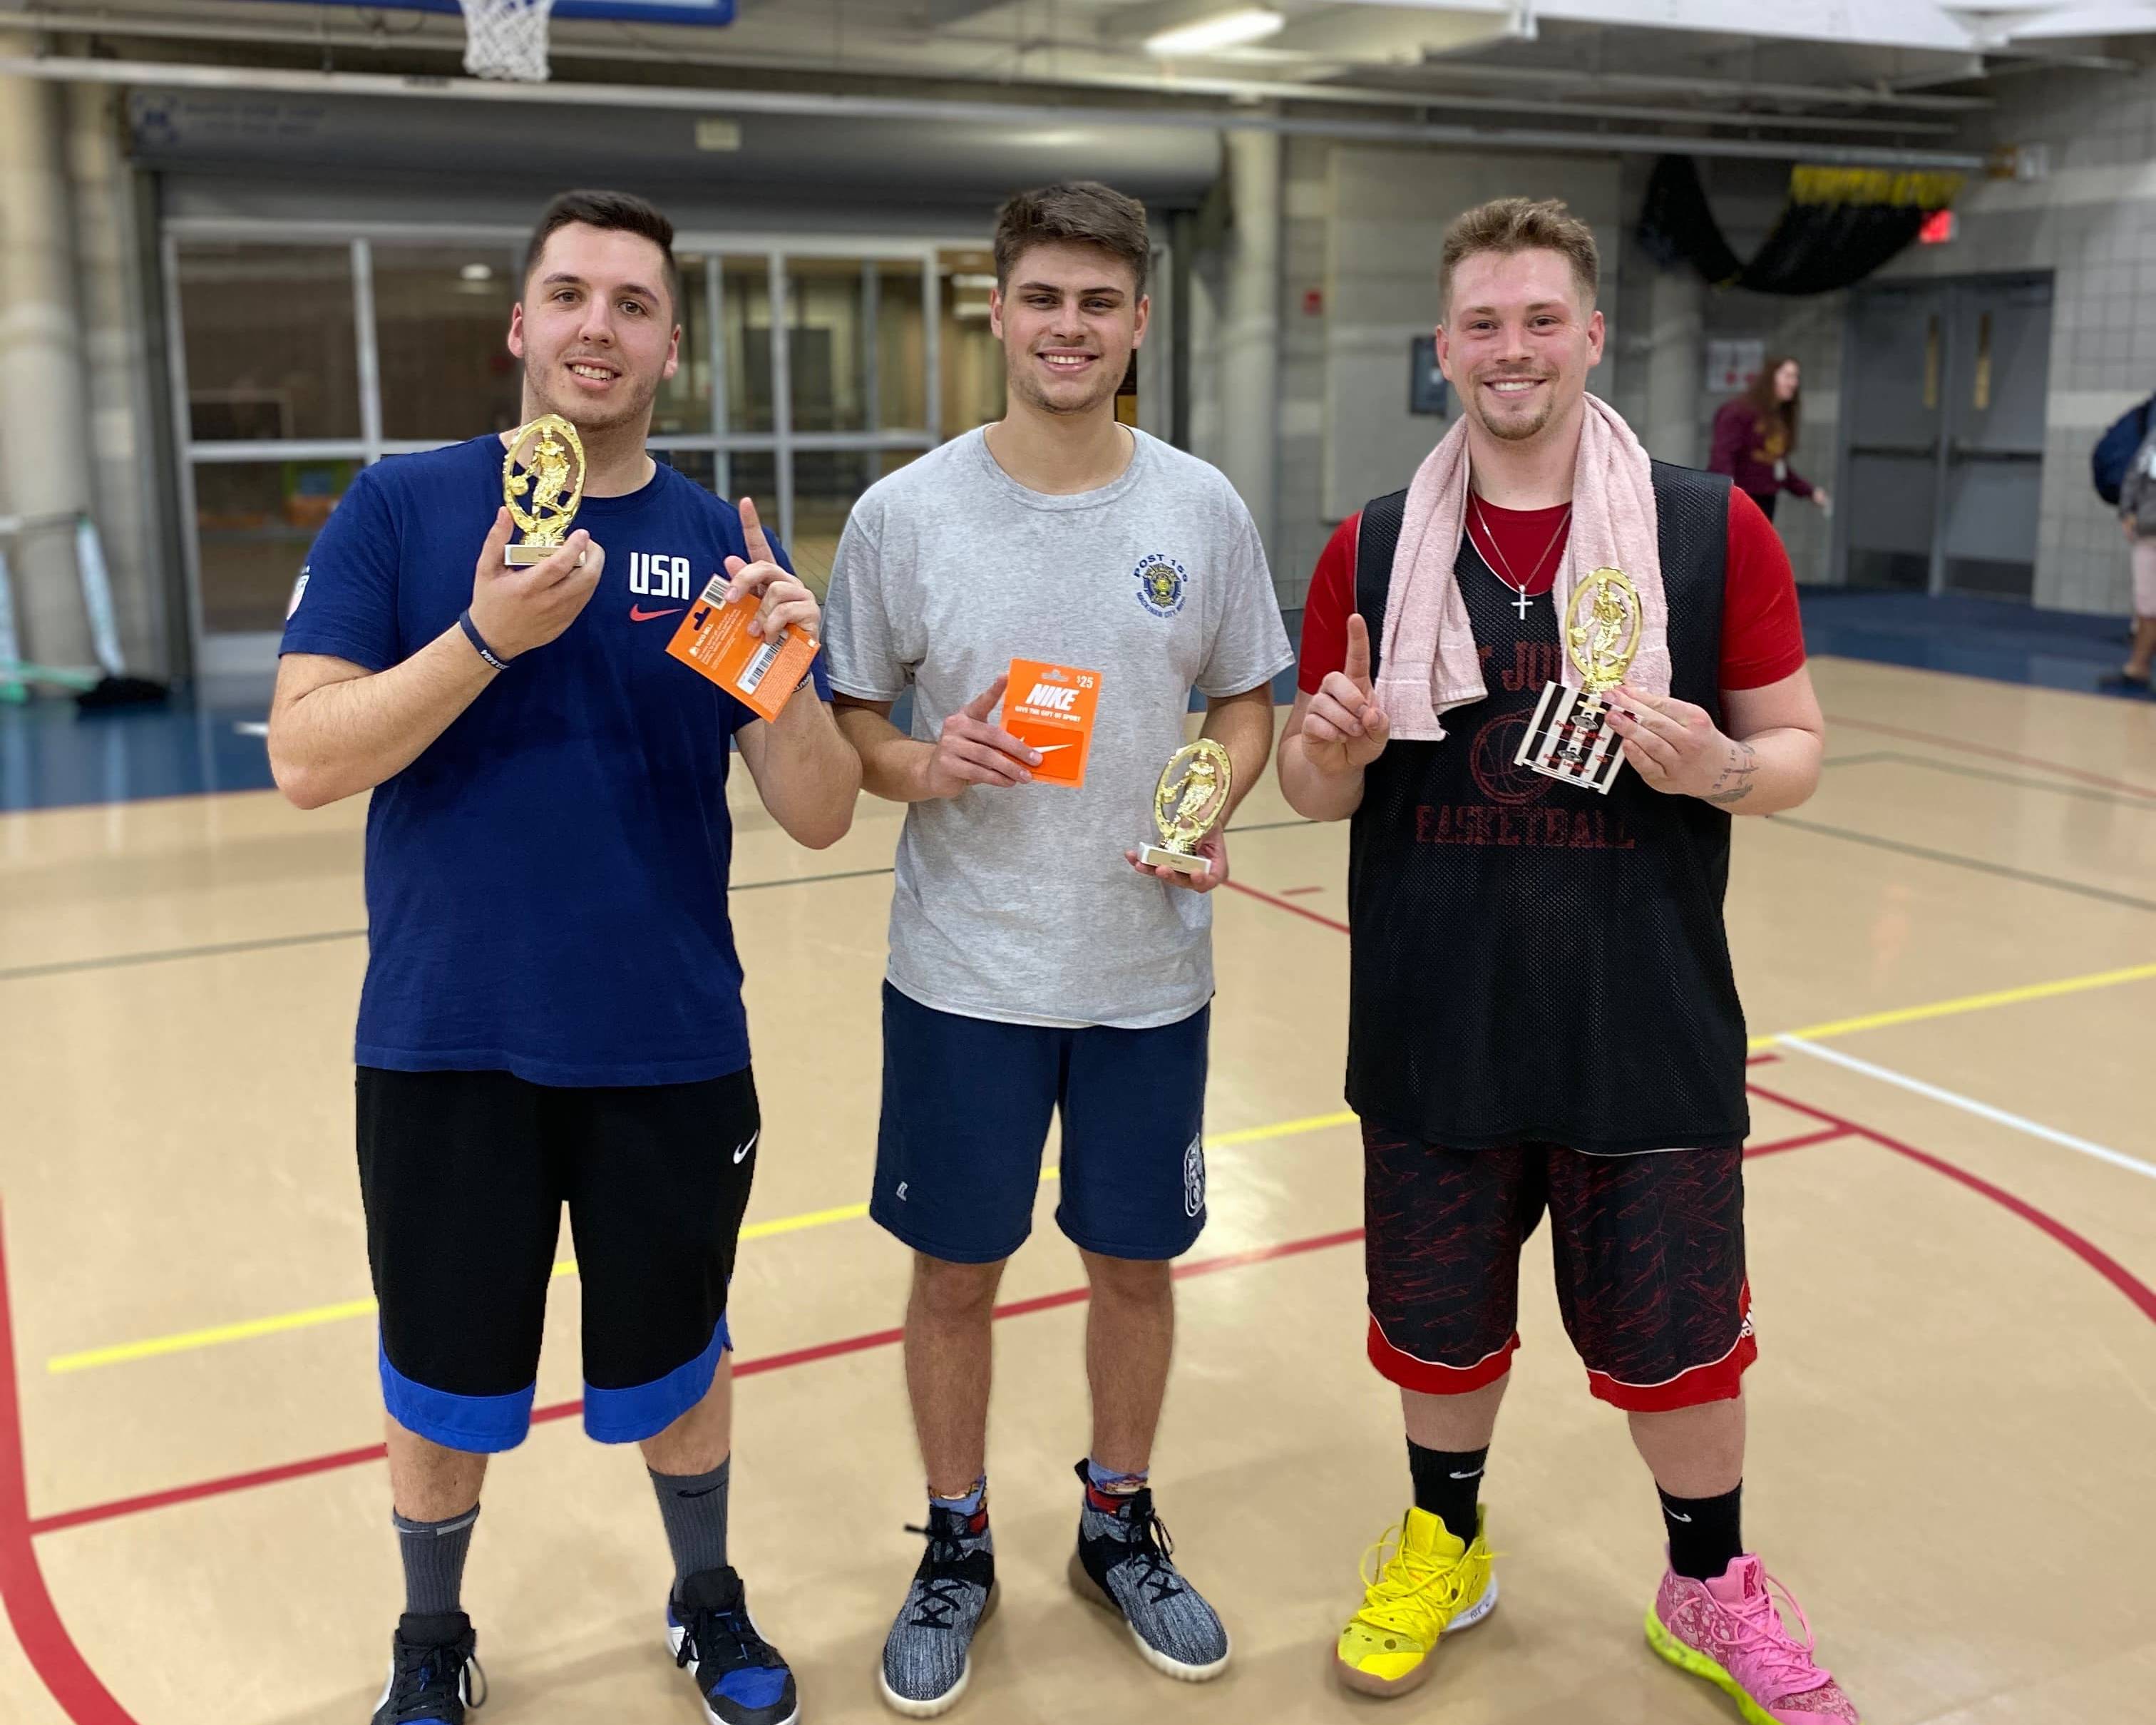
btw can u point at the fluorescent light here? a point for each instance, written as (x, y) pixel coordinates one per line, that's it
(975, 282)
(1226, 29)
(477, 272)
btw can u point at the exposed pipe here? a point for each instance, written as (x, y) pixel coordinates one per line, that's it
(173, 75)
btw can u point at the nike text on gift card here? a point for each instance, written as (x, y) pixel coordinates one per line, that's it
(1049, 707)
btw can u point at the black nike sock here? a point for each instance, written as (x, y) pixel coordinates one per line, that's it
(1447, 1483)
(1705, 1532)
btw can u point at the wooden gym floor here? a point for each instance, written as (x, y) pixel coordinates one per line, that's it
(1949, 962)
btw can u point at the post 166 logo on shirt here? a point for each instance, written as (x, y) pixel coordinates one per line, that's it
(1161, 584)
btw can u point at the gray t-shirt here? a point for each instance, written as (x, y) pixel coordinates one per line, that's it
(1015, 903)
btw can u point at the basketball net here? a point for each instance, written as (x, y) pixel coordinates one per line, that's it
(506, 38)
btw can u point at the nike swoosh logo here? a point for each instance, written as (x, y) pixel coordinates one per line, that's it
(1476, 1475)
(742, 1154)
(637, 614)
(1675, 1516)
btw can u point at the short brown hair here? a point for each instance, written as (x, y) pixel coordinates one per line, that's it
(1507, 225)
(617, 212)
(1073, 213)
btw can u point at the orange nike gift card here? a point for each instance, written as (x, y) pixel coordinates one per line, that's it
(1049, 707)
(714, 639)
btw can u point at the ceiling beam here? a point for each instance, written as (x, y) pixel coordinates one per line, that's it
(168, 74)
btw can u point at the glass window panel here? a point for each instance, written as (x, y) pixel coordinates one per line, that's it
(754, 474)
(253, 522)
(973, 366)
(826, 354)
(902, 350)
(826, 482)
(441, 319)
(269, 340)
(745, 290)
(684, 406)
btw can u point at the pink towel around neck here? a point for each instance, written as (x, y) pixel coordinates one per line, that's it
(1428, 663)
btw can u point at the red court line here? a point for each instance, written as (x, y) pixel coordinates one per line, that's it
(1965, 746)
(1281, 904)
(2090, 1253)
(51, 1651)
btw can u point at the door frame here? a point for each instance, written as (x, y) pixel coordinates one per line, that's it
(1942, 453)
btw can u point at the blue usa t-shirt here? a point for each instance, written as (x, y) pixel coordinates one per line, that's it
(547, 884)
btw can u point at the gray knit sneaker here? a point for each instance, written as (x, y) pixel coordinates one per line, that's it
(927, 1655)
(1124, 1563)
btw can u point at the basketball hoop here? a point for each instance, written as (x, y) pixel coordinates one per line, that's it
(506, 38)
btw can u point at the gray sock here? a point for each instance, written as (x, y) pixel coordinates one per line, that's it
(434, 1553)
(693, 1506)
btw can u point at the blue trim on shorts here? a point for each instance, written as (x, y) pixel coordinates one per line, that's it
(477, 1425)
(629, 1416)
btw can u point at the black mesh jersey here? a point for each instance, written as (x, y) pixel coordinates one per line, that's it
(1532, 960)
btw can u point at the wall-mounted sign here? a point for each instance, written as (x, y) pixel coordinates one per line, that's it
(1730, 365)
(1427, 390)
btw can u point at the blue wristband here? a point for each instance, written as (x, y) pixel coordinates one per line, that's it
(479, 641)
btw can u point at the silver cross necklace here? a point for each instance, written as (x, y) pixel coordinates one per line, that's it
(1502, 569)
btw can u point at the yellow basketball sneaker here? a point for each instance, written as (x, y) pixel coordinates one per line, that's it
(1432, 1585)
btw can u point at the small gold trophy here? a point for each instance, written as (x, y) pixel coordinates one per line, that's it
(1569, 738)
(552, 477)
(1192, 797)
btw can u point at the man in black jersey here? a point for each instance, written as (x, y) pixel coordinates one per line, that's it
(1542, 1013)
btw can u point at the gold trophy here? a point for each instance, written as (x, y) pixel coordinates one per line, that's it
(1189, 804)
(552, 477)
(1569, 738)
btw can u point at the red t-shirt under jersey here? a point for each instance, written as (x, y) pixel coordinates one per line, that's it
(1762, 639)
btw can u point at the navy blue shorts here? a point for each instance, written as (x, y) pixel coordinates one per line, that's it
(966, 1107)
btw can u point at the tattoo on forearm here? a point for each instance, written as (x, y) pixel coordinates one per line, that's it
(1733, 784)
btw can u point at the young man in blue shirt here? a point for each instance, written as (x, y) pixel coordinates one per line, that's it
(553, 1009)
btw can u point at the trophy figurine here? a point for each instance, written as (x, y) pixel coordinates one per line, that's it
(551, 476)
(1192, 797)
(1569, 738)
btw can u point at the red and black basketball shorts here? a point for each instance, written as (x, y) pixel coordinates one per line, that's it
(1650, 1259)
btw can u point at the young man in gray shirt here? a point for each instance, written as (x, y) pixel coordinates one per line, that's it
(1035, 964)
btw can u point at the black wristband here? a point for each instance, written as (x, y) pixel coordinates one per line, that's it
(479, 641)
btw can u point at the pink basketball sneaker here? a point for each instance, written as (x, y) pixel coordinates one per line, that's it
(1727, 1631)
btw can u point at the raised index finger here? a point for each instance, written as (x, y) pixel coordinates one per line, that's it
(981, 705)
(759, 546)
(1358, 652)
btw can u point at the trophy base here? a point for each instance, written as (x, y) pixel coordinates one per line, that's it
(523, 557)
(1155, 856)
(1569, 739)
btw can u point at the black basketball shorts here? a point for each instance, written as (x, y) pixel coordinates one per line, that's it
(1649, 1262)
(465, 1175)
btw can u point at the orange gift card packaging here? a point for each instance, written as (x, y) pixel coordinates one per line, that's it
(714, 639)
(1049, 707)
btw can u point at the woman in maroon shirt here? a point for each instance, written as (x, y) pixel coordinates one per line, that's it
(1754, 435)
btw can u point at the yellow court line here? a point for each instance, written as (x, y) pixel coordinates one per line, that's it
(1966, 1002)
(188, 1341)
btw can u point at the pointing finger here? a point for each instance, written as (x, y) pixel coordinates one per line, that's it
(1358, 652)
(759, 546)
(981, 705)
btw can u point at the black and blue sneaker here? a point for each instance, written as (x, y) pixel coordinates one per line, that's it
(740, 1675)
(433, 1675)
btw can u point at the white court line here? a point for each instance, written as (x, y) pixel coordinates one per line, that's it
(1969, 1105)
